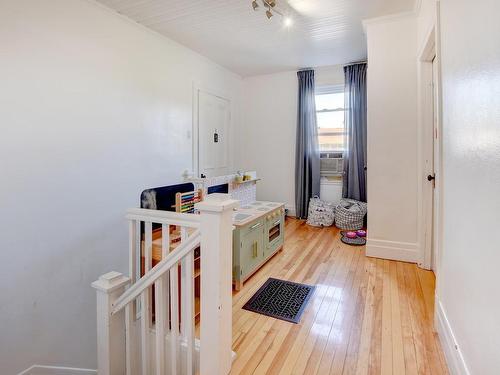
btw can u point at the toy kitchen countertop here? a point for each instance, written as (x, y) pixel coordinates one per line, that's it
(250, 212)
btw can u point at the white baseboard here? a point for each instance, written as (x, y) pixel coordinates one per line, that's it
(454, 357)
(57, 370)
(403, 251)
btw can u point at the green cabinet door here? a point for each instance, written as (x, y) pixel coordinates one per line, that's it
(251, 250)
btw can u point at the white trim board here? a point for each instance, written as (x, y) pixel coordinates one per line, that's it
(454, 357)
(57, 370)
(402, 251)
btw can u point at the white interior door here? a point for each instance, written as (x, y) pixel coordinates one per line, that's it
(214, 118)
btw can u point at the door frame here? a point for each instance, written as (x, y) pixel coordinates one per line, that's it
(430, 205)
(197, 88)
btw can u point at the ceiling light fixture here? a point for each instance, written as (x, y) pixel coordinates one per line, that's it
(269, 14)
(272, 9)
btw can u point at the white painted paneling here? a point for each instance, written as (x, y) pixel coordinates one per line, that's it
(94, 109)
(468, 268)
(392, 135)
(269, 130)
(324, 32)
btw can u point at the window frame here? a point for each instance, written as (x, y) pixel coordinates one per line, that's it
(325, 90)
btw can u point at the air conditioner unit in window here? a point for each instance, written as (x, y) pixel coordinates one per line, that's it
(331, 164)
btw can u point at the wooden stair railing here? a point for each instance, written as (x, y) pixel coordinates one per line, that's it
(133, 340)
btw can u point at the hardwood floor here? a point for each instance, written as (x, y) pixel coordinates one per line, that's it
(367, 316)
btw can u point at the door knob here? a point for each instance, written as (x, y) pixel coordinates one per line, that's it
(431, 177)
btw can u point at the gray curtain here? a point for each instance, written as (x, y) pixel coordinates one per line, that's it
(354, 178)
(307, 172)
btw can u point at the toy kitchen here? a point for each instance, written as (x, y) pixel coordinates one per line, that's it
(258, 232)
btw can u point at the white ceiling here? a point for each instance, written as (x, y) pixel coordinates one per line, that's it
(324, 32)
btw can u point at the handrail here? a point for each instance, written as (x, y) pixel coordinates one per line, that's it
(157, 271)
(164, 217)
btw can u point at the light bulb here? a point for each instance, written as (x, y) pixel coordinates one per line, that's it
(255, 5)
(269, 14)
(288, 21)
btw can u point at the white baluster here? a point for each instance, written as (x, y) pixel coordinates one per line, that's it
(165, 250)
(184, 236)
(130, 313)
(161, 307)
(174, 318)
(188, 310)
(145, 301)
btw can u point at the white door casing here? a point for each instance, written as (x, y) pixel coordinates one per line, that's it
(436, 164)
(430, 151)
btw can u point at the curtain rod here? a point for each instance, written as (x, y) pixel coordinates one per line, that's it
(357, 62)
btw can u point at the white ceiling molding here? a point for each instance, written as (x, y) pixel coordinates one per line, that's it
(231, 33)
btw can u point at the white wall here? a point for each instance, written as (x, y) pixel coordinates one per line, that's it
(392, 138)
(269, 114)
(270, 124)
(468, 294)
(93, 110)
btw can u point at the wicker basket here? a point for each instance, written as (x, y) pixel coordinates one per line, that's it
(321, 213)
(350, 214)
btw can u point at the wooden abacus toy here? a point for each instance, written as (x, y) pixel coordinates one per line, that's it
(184, 202)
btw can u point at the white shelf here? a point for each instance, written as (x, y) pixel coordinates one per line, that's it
(244, 182)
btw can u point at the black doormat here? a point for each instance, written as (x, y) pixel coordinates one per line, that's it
(280, 299)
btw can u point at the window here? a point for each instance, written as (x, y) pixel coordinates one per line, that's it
(330, 120)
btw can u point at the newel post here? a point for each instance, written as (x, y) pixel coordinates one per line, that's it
(110, 328)
(216, 283)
